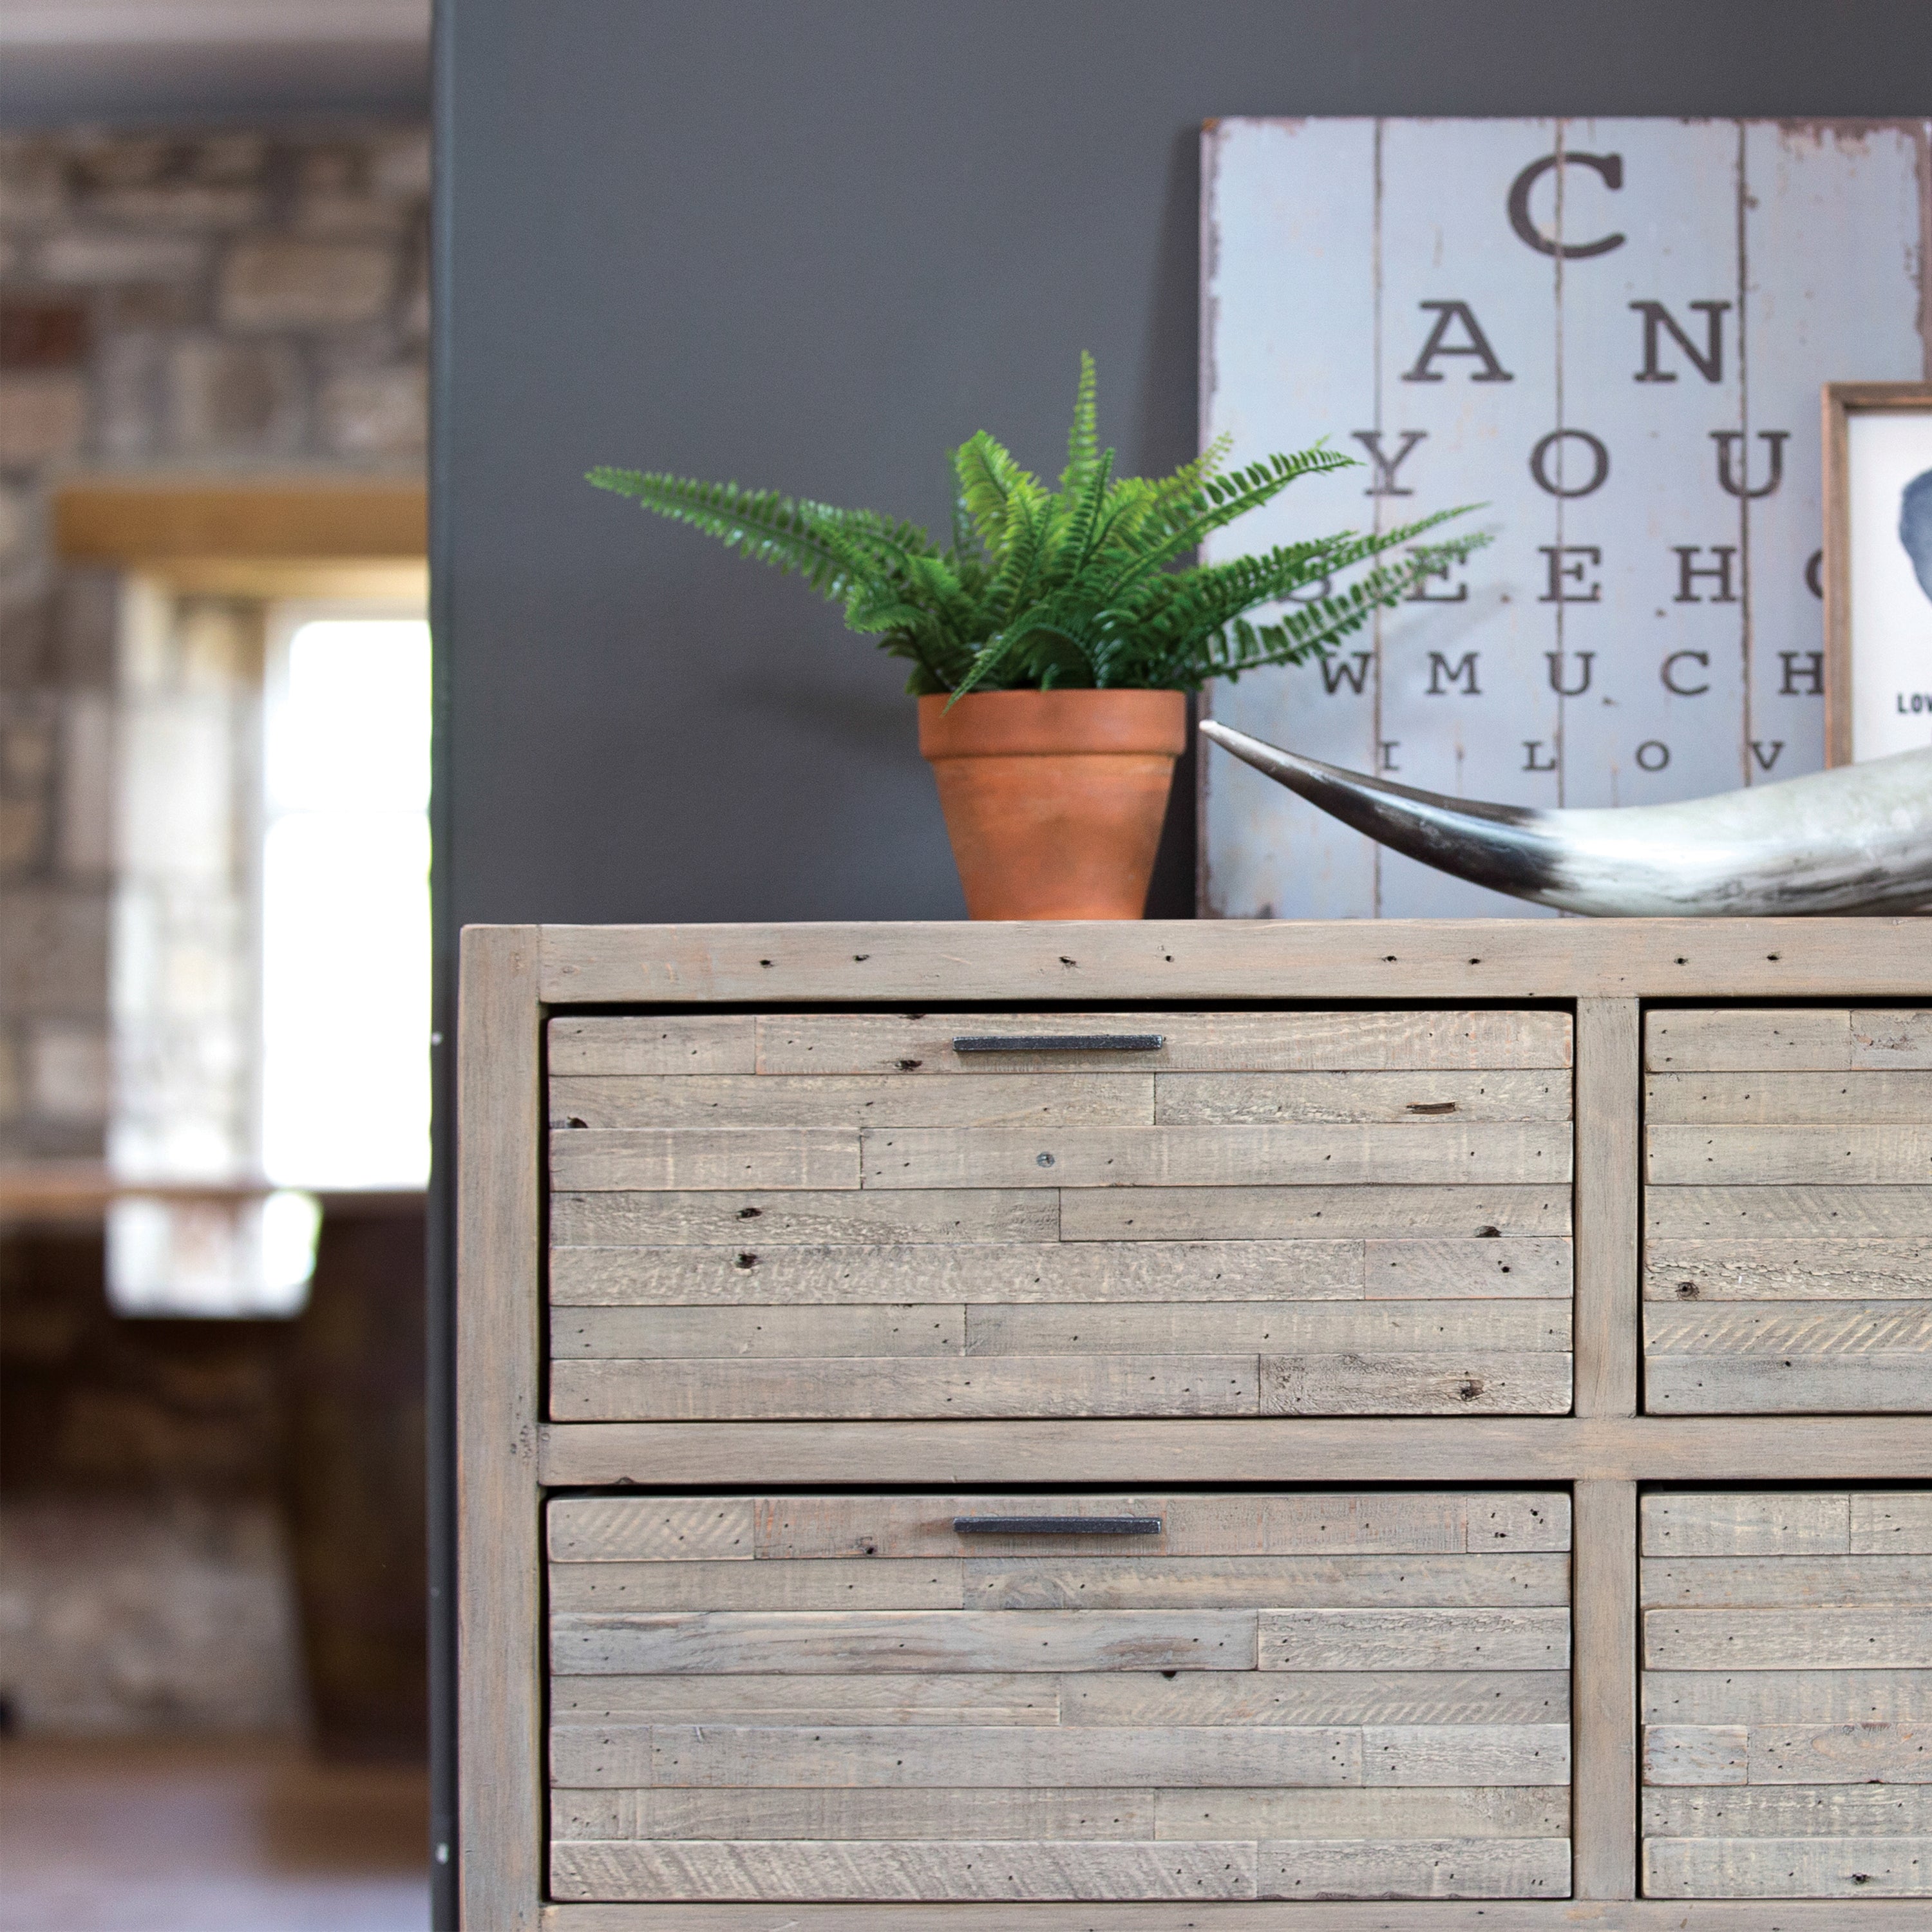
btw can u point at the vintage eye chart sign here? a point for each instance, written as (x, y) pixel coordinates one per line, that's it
(1612, 335)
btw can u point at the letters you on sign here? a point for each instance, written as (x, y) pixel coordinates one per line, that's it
(1572, 462)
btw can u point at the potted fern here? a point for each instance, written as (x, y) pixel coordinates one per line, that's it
(1054, 641)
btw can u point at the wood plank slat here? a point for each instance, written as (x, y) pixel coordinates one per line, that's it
(1180, 1327)
(1411, 1868)
(1234, 1100)
(632, 1529)
(1897, 1523)
(1804, 1213)
(1897, 1637)
(1748, 1040)
(1788, 1867)
(1446, 1382)
(1789, 1811)
(1895, 1381)
(1334, 1522)
(1715, 1582)
(645, 1045)
(1519, 1519)
(713, 1755)
(1720, 1522)
(1696, 1754)
(1287, 1213)
(591, 1334)
(1163, 1582)
(1769, 1099)
(1885, 1037)
(1362, 1812)
(855, 1812)
(1788, 1212)
(856, 1756)
(1419, 1153)
(1518, 1755)
(1152, 1700)
(858, 1584)
(1068, 1274)
(744, 1100)
(911, 1640)
(1414, 1640)
(704, 1160)
(1886, 1752)
(1750, 1697)
(1425, 1270)
(1228, 1041)
(883, 1387)
(1789, 1327)
(1788, 1271)
(891, 1697)
(758, 1219)
(898, 1869)
(1847, 1154)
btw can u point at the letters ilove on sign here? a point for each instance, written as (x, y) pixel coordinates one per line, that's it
(1609, 338)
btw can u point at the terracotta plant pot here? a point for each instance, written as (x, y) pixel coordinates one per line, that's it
(1054, 799)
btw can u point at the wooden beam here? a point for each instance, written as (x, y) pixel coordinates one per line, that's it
(1610, 1080)
(499, 1344)
(1603, 1809)
(1656, 1914)
(1246, 1449)
(118, 521)
(1361, 961)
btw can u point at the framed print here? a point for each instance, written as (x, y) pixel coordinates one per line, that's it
(1610, 334)
(1878, 569)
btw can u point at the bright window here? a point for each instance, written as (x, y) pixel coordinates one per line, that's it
(345, 1094)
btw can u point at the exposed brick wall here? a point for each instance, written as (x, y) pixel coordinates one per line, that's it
(214, 302)
(182, 303)
(147, 1583)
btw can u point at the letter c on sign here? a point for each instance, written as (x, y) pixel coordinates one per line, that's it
(1609, 166)
(1669, 673)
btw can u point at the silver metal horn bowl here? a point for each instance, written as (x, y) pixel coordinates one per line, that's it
(1855, 839)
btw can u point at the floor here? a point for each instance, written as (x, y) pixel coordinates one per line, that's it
(207, 1836)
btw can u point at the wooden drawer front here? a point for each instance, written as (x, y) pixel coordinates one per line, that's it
(1788, 1211)
(838, 1215)
(844, 1697)
(1787, 1695)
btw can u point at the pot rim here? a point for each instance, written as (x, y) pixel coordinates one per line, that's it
(1047, 723)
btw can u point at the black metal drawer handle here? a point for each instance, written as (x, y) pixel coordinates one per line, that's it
(1059, 1043)
(1056, 1525)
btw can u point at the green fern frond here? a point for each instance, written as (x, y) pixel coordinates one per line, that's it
(1090, 584)
(761, 524)
(1029, 533)
(988, 478)
(1083, 440)
(1075, 549)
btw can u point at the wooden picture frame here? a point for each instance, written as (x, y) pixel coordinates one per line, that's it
(1841, 401)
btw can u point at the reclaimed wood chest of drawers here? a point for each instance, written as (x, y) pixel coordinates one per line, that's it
(1065, 1426)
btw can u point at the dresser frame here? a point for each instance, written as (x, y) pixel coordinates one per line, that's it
(515, 978)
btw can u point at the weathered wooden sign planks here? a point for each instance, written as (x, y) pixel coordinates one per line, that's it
(1611, 335)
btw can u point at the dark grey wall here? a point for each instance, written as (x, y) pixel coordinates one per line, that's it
(813, 244)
